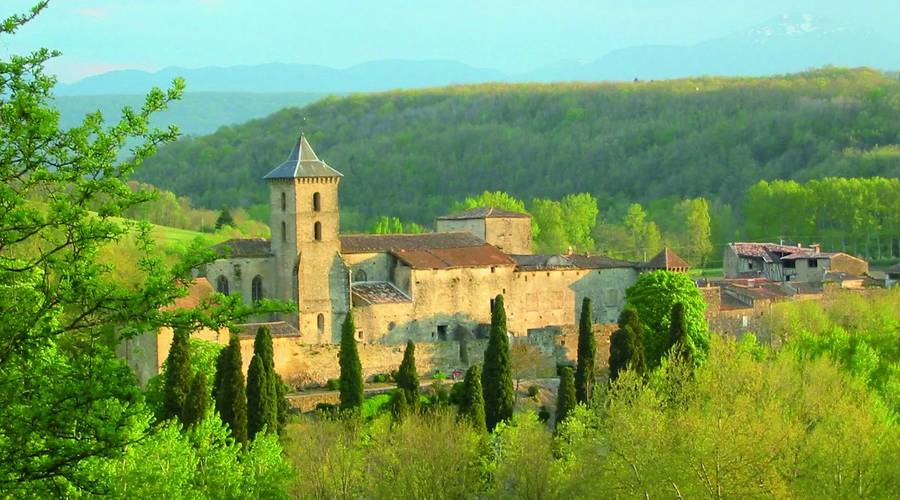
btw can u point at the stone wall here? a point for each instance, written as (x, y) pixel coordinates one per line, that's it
(510, 234)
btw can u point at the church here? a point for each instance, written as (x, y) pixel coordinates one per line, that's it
(425, 287)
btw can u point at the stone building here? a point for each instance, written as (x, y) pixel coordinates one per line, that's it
(432, 286)
(788, 263)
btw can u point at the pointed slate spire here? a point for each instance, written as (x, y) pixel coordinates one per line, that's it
(302, 162)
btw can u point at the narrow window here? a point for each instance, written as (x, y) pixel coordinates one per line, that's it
(317, 231)
(222, 285)
(256, 290)
(283, 202)
(360, 275)
(283, 231)
(320, 323)
(317, 202)
(813, 263)
(442, 332)
(359, 334)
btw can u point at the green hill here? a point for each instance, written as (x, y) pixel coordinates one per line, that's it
(412, 153)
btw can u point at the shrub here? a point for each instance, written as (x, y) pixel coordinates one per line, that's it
(439, 375)
(333, 384)
(456, 393)
(534, 391)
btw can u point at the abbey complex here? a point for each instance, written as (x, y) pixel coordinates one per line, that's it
(438, 288)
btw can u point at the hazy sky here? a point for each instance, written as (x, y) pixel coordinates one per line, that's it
(513, 36)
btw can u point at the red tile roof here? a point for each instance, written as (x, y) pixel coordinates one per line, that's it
(484, 213)
(374, 243)
(666, 260)
(444, 258)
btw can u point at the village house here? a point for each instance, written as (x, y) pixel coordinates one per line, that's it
(786, 263)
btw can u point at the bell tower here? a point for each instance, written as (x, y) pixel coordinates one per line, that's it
(305, 226)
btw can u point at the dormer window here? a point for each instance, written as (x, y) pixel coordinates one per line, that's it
(317, 202)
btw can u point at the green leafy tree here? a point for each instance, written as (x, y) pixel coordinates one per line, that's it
(407, 378)
(695, 235)
(231, 396)
(471, 406)
(197, 404)
(626, 348)
(645, 238)
(351, 381)
(652, 298)
(177, 383)
(586, 371)
(548, 215)
(579, 217)
(225, 218)
(565, 399)
(69, 406)
(262, 391)
(496, 379)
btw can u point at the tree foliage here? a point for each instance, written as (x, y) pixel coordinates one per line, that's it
(471, 405)
(496, 379)
(565, 397)
(626, 346)
(351, 381)
(407, 377)
(652, 298)
(230, 391)
(586, 371)
(178, 377)
(262, 392)
(197, 404)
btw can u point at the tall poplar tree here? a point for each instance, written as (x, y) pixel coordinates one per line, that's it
(586, 371)
(496, 379)
(565, 398)
(407, 378)
(177, 383)
(471, 408)
(231, 398)
(351, 381)
(262, 395)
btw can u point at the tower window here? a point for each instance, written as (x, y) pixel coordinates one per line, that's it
(317, 231)
(283, 231)
(317, 202)
(360, 275)
(320, 323)
(222, 285)
(283, 202)
(256, 290)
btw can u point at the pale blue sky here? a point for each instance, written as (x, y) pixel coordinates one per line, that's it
(510, 35)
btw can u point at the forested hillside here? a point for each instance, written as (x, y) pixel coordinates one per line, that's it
(412, 154)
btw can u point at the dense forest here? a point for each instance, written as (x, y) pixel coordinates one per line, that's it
(413, 154)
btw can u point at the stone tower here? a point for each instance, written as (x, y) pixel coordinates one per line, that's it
(303, 192)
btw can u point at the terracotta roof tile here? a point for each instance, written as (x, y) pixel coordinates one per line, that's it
(666, 260)
(372, 243)
(198, 291)
(443, 258)
(484, 213)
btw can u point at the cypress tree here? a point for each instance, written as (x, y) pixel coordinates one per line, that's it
(231, 398)
(471, 407)
(177, 383)
(399, 406)
(262, 397)
(496, 379)
(586, 372)
(283, 405)
(679, 345)
(351, 382)
(407, 378)
(626, 346)
(565, 399)
(197, 402)
(224, 219)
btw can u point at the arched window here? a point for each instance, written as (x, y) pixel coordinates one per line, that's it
(317, 202)
(360, 275)
(283, 231)
(256, 289)
(320, 323)
(283, 202)
(317, 231)
(222, 285)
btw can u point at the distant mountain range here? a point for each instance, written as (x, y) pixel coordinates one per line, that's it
(789, 43)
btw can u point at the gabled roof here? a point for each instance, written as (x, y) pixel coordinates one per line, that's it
(666, 260)
(302, 162)
(484, 255)
(571, 261)
(374, 243)
(769, 252)
(244, 248)
(484, 213)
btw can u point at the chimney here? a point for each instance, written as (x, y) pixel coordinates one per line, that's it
(816, 248)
